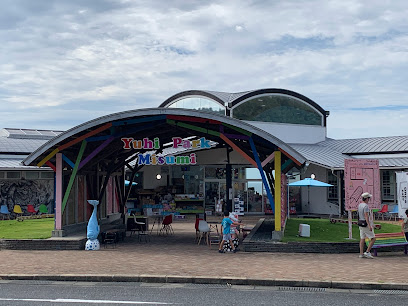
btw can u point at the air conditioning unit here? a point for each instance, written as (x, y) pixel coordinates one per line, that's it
(304, 230)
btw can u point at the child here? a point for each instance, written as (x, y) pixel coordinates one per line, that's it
(234, 231)
(226, 232)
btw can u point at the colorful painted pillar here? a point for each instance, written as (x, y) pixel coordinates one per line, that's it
(277, 190)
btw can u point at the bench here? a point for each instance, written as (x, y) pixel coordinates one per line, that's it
(334, 220)
(22, 218)
(389, 240)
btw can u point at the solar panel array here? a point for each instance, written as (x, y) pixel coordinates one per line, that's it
(29, 133)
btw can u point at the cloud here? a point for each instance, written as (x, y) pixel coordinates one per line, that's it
(367, 123)
(75, 57)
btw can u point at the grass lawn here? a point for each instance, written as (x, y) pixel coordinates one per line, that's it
(321, 230)
(27, 229)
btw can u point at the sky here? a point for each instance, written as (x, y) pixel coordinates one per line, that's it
(65, 62)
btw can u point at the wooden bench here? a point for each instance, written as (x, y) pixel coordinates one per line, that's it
(389, 240)
(334, 220)
(22, 218)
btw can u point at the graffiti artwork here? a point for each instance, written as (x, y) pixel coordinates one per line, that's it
(361, 175)
(24, 192)
(402, 186)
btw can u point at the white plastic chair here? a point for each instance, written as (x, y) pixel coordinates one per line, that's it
(140, 229)
(204, 231)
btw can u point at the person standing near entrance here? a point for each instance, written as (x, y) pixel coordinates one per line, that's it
(404, 226)
(226, 232)
(365, 226)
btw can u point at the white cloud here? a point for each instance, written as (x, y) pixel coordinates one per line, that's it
(360, 124)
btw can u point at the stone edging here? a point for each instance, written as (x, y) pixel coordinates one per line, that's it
(43, 244)
(209, 280)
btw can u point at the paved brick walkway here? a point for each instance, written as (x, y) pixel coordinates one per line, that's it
(179, 255)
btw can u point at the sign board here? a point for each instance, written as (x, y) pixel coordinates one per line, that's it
(238, 206)
(361, 175)
(150, 158)
(402, 186)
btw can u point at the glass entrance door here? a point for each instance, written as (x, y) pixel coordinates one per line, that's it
(254, 197)
(214, 192)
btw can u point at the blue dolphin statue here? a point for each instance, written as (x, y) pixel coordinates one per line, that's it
(93, 227)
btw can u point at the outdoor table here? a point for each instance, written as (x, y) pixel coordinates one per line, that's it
(158, 220)
(119, 234)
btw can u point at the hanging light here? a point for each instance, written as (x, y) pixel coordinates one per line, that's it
(158, 176)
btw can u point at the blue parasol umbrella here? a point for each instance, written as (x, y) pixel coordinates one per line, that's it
(127, 183)
(309, 182)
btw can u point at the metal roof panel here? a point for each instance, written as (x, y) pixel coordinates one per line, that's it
(368, 145)
(321, 155)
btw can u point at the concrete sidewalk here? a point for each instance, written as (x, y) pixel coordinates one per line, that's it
(177, 258)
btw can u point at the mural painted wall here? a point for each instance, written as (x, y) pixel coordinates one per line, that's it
(361, 175)
(23, 192)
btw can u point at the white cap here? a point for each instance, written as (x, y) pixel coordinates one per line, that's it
(366, 195)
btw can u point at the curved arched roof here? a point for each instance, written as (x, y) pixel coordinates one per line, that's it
(243, 96)
(103, 135)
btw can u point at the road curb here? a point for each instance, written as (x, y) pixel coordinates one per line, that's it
(209, 280)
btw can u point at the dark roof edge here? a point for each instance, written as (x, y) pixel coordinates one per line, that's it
(280, 91)
(190, 93)
(162, 111)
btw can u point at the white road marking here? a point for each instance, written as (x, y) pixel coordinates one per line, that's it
(85, 301)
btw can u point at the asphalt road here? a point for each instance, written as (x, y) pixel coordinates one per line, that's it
(91, 293)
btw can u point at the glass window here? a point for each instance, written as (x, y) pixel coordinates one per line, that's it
(2, 174)
(31, 175)
(215, 173)
(254, 196)
(199, 103)
(238, 173)
(388, 184)
(266, 203)
(192, 179)
(332, 191)
(277, 108)
(253, 174)
(14, 175)
(47, 175)
(188, 179)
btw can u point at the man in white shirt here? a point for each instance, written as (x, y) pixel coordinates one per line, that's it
(368, 230)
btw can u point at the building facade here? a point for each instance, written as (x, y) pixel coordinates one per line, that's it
(276, 120)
